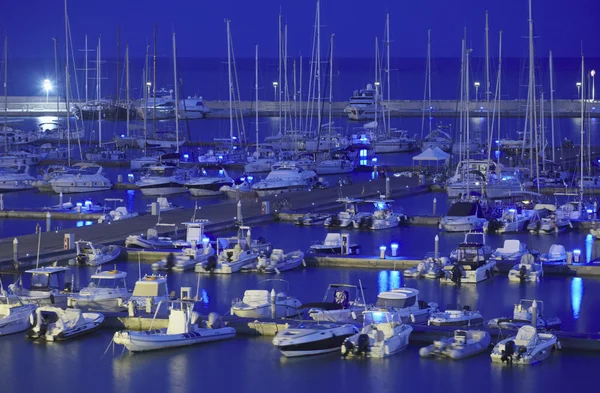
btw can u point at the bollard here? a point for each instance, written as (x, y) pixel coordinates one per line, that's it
(388, 188)
(436, 253)
(120, 179)
(16, 249)
(394, 247)
(265, 207)
(155, 208)
(382, 252)
(1, 201)
(131, 178)
(79, 208)
(48, 222)
(149, 305)
(534, 314)
(273, 303)
(434, 205)
(239, 212)
(60, 200)
(569, 257)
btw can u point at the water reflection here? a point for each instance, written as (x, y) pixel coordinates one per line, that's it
(576, 296)
(389, 280)
(394, 279)
(130, 201)
(383, 281)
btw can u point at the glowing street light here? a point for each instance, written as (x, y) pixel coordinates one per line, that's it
(47, 87)
(476, 84)
(578, 89)
(593, 73)
(275, 84)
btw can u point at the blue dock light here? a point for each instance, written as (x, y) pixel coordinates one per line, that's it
(122, 135)
(242, 179)
(374, 159)
(589, 211)
(512, 210)
(220, 157)
(186, 156)
(250, 178)
(576, 255)
(382, 252)
(394, 247)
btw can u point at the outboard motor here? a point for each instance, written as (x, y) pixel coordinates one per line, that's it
(466, 308)
(170, 260)
(68, 287)
(521, 352)
(81, 259)
(456, 274)
(363, 345)
(211, 264)
(509, 351)
(523, 273)
(347, 348)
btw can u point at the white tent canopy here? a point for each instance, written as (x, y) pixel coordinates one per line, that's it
(430, 154)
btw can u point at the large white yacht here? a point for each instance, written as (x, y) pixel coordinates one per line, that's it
(19, 158)
(470, 175)
(192, 108)
(162, 180)
(160, 105)
(82, 177)
(13, 178)
(326, 142)
(284, 177)
(397, 143)
(209, 183)
(362, 104)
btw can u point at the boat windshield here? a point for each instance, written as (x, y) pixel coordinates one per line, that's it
(161, 172)
(376, 317)
(146, 290)
(397, 302)
(463, 209)
(110, 283)
(44, 281)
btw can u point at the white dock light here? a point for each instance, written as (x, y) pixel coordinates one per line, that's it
(382, 252)
(394, 249)
(576, 255)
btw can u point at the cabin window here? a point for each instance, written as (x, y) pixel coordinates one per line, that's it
(396, 303)
(39, 281)
(144, 290)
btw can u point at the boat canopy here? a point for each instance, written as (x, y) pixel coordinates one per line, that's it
(464, 209)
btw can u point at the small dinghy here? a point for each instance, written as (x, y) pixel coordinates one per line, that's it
(312, 219)
(55, 324)
(313, 339)
(464, 317)
(523, 314)
(512, 250)
(555, 256)
(430, 267)
(527, 347)
(151, 240)
(239, 190)
(279, 262)
(262, 303)
(341, 303)
(382, 335)
(182, 330)
(14, 315)
(117, 214)
(528, 270)
(187, 259)
(107, 291)
(463, 344)
(91, 255)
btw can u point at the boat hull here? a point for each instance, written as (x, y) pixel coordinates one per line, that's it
(161, 191)
(158, 339)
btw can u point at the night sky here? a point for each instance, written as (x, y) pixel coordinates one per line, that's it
(560, 24)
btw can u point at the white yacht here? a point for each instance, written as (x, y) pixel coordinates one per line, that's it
(463, 217)
(504, 184)
(209, 183)
(438, 138)
(398, 143)
(19, 158)
(348, 216)
(261, 160)
(363, 103)
(290, 141)
(107, 291)
(265, 303)
(527, 347)
(81, 178)
(471, 265)
(46, 286)
(285, 177)
(14, 178)
(192, 108)
(327, 142)
(335, 164)
(470, 176)
(406, 304)
(382, 218)
(55, 324)
(162, 180)
(160, 105)
(341, 303)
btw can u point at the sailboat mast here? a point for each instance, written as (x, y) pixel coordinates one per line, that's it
(532, 111)
(318, 74)
(542, 132)
(5, 94)
(118, 63)
(300, 94)
(581, 128)
(376, 82)
(552, 101)
(99, 77)
(462, 99)
(487, 73)
(429, 79)
(146, 92)
(86, 69)
(230, 82)
(279, 71)
(67, 85)
(389, 85)
(285, 78)
(330, 89)
(176, 94)
(154, 86)
(127, 84)
(467, 114)
(256, 95)
(295, 124)
(499, 90)
(56, 79)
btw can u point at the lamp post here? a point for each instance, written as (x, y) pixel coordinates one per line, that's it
(275, 84)
(578, 89)
(148, 86)
(593, 74)
(476, 84)
(47, 87)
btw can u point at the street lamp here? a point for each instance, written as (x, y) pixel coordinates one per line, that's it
(47, 87)
(275, 84)
(593, 73)
(578, 89)
(476, 84)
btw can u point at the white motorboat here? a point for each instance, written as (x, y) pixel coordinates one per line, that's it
(209, 183)
(279, 261)
(313, 339)
(512, 250)
(463, 217)
(464, 317)
(222, 156)
(151, 240)
(398, 143)
(81, 178)
(285, 177)
(15, 178)
(511, 221)
(106, 291)
(192, 108)
(363, 104)
(463, 344)
(163, 204)
(527, 347)
(265, 303)
(19, 158)
(14, 315)
(471, 265)
(382, 335)
(260, 161)
(42, 183)
(471, 176)
(117, 214)
(547, 219)
(187, 259)
(312, 219)
(103, 154)
(335, 243)
(382, 218)
(150, 287)
(523, 313)
(239, 190)
(528, 270)
(161, 180)
(46, 287)
(430, 267)
(556, 255)
(341, 303)
(182, 330)
(95, 255)
(338, 162)
(406, 304)
(474, 238)
(327, 141)
(232, 254)
(55, 324)
(504, 184)
(348, 216)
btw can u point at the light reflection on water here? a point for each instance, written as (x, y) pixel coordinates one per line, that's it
(576, 296)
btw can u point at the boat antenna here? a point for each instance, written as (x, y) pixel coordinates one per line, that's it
(140, 265)
(362, 292)
(197, 288)
(39, 229)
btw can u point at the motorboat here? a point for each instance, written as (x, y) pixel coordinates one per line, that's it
(209, 183)
(260, 161)
(182, 330)
(239, 190)
(475, 238)
(52, 323)
(437, 138)
(192, 108)
(383, 334)
(348, 216)
(279, 261)
(285, 177)
(471, 176)
(161, 180)
(471, 265)
(400, 142)
(94, 255)
(503, 184)
(152, 288)
(106, 291)
(523, 313)
(528, 270)
(511, 221)
(265, 303)
(512, 250)
(335, 163)
(312, 219)
(527, 347)
(15, 178)
(42, 183)
(556, 255)
(462, 344)
(326, 141)
(163, 205)
(152, 240)
(553, 221)
(19, 158)
(313, 339)
(231, 255)
(187, 258)
(430, 267)
(83, 177)
(14, 315)
(382, 218)
(363, 104)
(119, 213)
(46, 287)
(341, 303)
(463, 217)
(334, 243)
(406, 304)
(464, 317)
